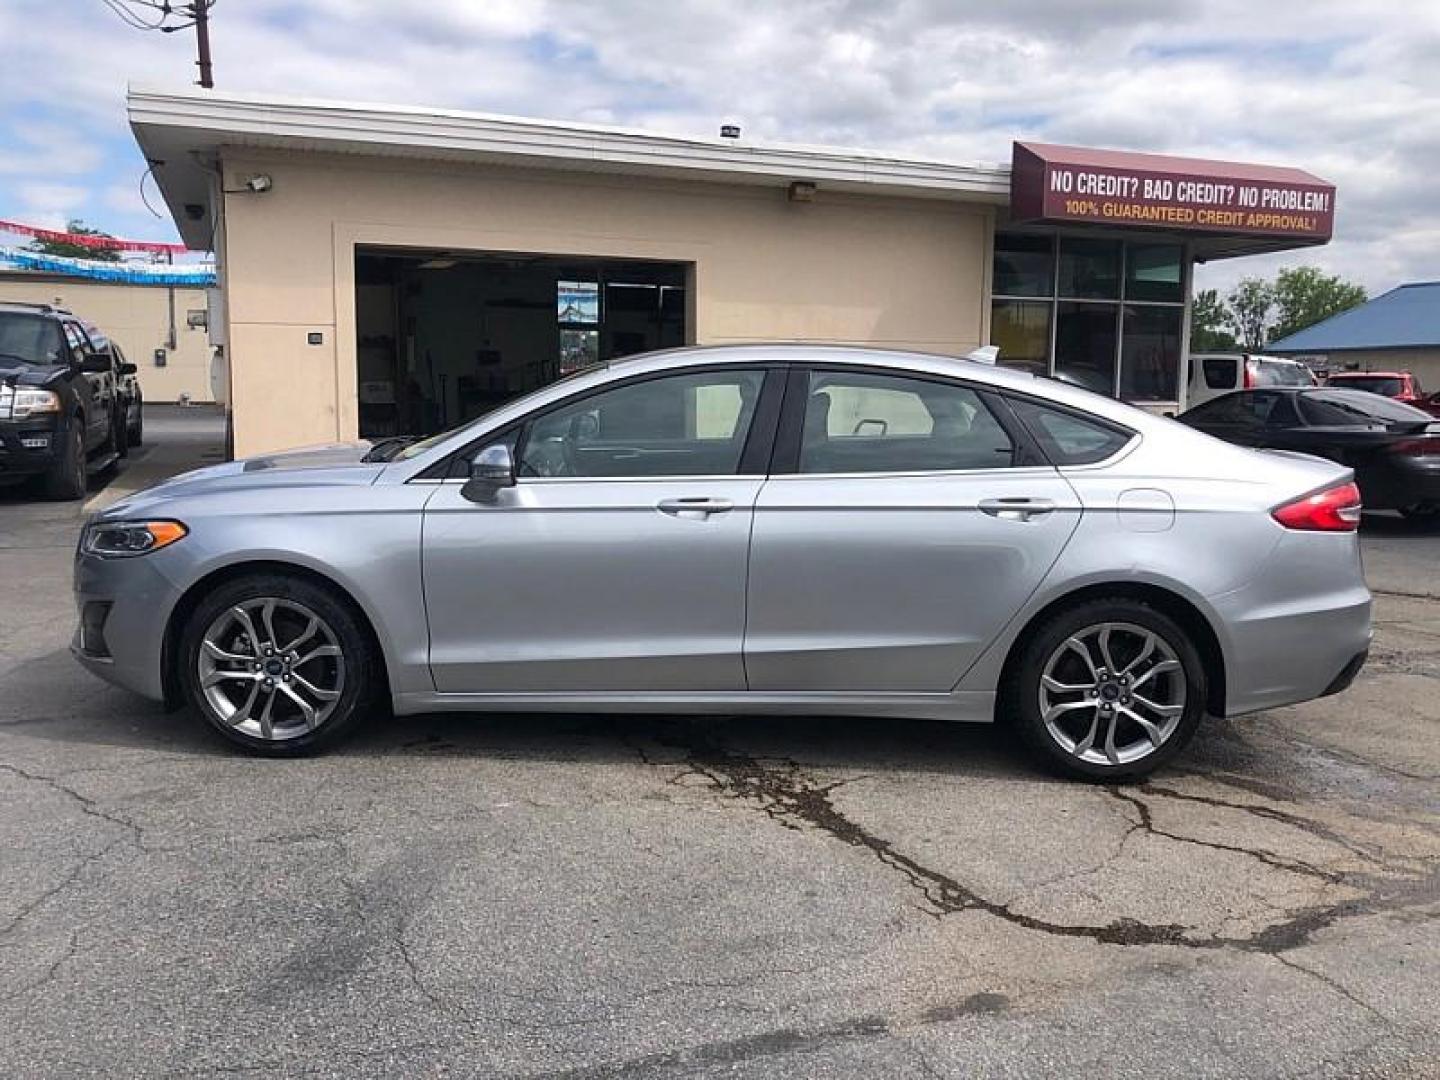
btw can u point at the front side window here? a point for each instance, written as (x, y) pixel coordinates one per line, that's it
(1239, 408)
(678, 425)
(864, 423)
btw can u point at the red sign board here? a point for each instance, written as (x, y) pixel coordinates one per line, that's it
(1111, 187)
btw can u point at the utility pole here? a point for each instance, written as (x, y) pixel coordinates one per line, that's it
(200, 12)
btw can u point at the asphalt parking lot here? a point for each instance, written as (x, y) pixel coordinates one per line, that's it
(589, 896)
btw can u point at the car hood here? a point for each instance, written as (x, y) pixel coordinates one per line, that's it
(13, 374)
(311, 466)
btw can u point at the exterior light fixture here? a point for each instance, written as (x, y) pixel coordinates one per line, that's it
(802, 191)
(259, 182)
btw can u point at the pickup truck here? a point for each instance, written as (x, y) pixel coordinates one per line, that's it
(62, 413)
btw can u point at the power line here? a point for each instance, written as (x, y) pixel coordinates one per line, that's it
(195, 13)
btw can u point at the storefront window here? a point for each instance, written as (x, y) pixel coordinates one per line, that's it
(1085, 345)
(1150, 353)
(1021, 328)
(1024, 265)
(1152, 272)
(1076, 331)
(1089, 269)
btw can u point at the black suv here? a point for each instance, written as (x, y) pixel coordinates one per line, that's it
(62, 411)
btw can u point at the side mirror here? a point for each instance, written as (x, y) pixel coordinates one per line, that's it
(127, 368)
(96, 363)
(1169, 414)
(492, 470)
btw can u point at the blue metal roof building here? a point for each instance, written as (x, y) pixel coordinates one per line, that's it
(1398, 331)
(1406, 317)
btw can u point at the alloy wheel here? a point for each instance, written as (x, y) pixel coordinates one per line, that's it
(271, 668)
(1112, 693)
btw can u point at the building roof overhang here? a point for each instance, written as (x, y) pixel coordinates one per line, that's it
(183, 133)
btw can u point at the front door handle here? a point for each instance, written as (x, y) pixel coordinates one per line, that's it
(699, 506)
(1017, 509)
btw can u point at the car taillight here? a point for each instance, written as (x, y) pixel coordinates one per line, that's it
(1417, 447)
(1248, 367)
(1336, 509)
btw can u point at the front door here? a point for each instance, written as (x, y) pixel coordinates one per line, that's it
(617, 562)
(909, 532)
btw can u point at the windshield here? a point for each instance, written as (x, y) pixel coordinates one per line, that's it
(1387, 385)
(29, 339)
(1279, 373)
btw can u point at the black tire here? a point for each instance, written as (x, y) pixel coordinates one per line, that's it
(1021, 696)
(119, 434)
(360, 691)
(65, 479)
(136, 432)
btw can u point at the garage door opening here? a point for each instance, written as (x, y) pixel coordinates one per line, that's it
(444, 337)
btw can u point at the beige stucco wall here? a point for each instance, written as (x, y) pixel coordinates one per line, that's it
(909, 273)
(136, 316)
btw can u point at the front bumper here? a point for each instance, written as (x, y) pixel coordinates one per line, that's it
(27, 447)
(124, 606)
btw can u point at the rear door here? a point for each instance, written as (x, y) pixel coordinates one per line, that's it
(907, 519)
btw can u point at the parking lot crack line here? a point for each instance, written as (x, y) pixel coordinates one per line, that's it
(1146, 824)
(1337, 988)
(788, 798)
(87, 805)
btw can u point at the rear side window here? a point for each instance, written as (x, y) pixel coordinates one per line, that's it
(1068, 438)
(1219, 372)
(857, 422)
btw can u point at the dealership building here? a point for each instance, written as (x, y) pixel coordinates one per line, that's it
(394, 270)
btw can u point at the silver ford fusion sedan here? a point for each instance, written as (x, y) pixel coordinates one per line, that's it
(776, 529)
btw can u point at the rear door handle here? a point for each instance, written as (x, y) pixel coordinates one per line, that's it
(1017, 509)
(698, 506)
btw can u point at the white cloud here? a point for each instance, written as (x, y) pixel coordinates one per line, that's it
(1349, 91)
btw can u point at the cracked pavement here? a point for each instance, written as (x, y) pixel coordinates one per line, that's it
(579, 896)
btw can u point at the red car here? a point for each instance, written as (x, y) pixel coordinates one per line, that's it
(1397, 385)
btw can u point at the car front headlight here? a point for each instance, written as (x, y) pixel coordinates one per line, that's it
(34, 403)
(122, 539)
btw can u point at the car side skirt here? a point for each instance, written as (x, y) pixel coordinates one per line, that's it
(971, 706)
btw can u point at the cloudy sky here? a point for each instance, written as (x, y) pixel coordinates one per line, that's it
(1349, 90)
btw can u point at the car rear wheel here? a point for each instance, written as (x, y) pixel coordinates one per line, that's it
(278, 665)
(1108, 691)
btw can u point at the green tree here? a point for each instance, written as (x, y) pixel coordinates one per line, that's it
(1210, 323)
(76, 251)
(1304, 296)
(1249, 304)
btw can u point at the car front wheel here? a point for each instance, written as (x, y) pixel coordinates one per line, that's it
(1108, 691)
(278, 665)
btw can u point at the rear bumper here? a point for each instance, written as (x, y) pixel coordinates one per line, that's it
(1301, 629)
(1401, 481)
